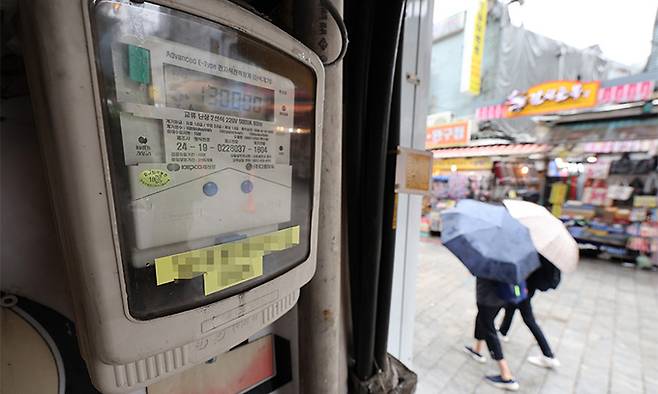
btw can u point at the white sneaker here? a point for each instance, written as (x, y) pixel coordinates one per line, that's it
(504, 338)
(475, 355)
(544, 362)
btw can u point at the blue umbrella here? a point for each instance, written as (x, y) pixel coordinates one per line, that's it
(489, 241)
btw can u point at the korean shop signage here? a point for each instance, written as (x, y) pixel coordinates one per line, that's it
(545, 98)
(448, 134)
(476, 25)
(552, 97)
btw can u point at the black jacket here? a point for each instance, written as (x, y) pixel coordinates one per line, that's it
(486, 292)
(546, 277)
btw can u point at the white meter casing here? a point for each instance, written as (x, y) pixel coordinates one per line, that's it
(182, 140)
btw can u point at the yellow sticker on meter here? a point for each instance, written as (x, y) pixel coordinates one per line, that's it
(225, 265)
(154, 177)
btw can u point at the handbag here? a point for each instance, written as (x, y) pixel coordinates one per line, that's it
(645, 166)
(623, 166)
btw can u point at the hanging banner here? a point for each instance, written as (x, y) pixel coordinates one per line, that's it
(476, 25)
(448, 134)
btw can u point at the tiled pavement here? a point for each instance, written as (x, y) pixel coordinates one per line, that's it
(602, 323)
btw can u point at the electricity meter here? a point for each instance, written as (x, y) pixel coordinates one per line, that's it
(183, 149)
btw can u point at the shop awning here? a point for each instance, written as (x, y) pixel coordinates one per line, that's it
(605, 130)
(492, 150)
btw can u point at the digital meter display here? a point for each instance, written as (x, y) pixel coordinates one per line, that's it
(188, 89)
(210, 139)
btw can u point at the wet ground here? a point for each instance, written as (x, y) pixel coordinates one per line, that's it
(602, 323)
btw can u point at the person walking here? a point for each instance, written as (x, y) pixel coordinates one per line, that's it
(545, 278)
(489, 304)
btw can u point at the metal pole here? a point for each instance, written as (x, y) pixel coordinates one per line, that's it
(322, 348)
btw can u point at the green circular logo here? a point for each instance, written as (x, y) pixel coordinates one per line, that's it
(154, 178)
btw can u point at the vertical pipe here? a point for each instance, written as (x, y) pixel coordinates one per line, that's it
(374, 31)
(323, 356)
(388, 225)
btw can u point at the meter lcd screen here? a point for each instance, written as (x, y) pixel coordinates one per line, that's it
(210, 147)
(188, 89)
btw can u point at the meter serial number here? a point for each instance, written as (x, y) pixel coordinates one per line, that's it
(231, 148)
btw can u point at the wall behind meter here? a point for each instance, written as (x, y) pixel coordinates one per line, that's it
(31, 263)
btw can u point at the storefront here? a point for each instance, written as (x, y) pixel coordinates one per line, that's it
(604, 187)
(485, 173)
(593, 162)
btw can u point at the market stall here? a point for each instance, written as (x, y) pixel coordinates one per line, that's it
(606, 190)
(485, 173)
(593, 160)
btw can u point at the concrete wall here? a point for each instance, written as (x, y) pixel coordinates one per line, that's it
(445, 72)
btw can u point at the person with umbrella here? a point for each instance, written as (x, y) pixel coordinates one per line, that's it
(558, 251)
(498, 251)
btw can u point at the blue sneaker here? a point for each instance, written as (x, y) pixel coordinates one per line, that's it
(498, 382)
(475, 355)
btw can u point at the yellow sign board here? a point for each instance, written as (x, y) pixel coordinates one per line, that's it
(461, 164)
(552, 97)
(476, 26)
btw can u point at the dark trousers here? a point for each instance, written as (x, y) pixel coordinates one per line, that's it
(486, 330)
(529, 319)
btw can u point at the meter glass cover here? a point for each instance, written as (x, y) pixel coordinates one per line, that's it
(210, 142)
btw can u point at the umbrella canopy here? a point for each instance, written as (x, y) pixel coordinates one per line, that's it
(548, 233)
(490, 242)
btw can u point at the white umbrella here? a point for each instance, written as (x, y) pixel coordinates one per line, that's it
(548, 234)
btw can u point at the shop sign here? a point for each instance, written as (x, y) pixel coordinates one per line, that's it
(448, 134)
(476, 25)
(626, 93)
(551, 97)
(545, 98)
(461, 164)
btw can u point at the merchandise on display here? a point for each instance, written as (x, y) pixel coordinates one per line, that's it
(615, 212)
